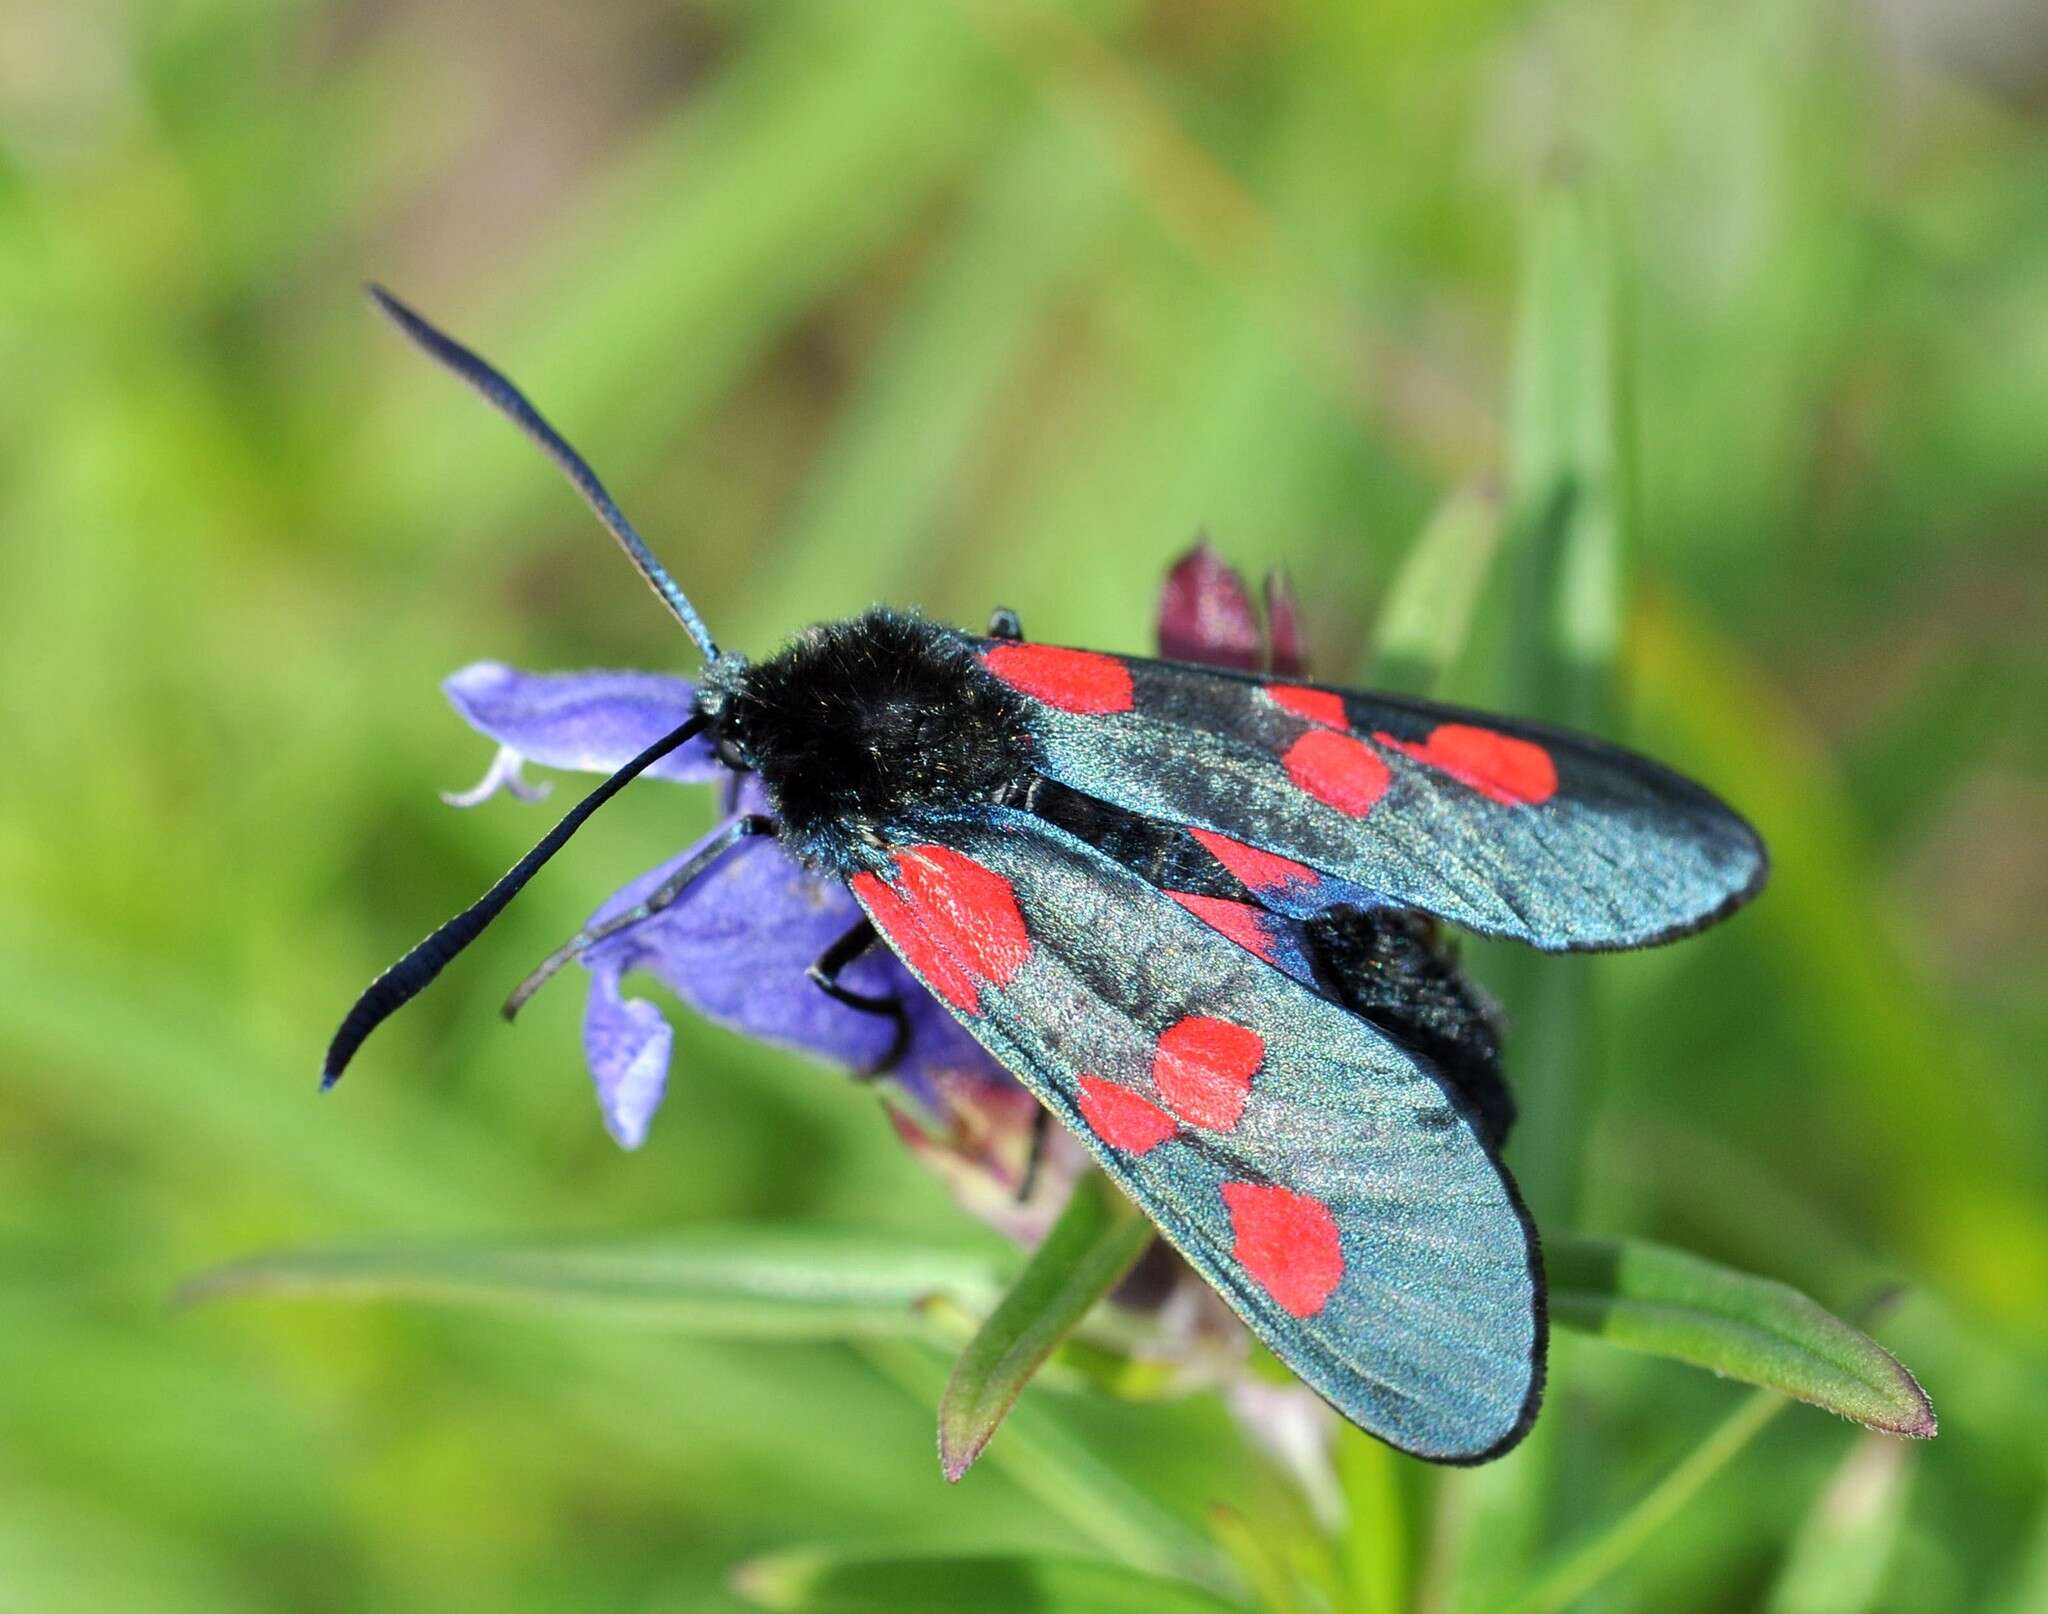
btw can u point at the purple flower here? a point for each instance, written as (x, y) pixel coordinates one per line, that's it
(1206, 614)
(735, 947)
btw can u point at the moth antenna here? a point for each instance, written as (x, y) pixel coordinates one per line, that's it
(406, 979)
(510, 402)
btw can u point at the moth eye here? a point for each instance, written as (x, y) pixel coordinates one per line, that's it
(733, 753)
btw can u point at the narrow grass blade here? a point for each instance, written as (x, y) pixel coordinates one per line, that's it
(733, 1282)
(1427, 615)
(1560, 1588)
(1567, 547)
(1097, 1238)
(1271, 1580)
(1843, 1550)
(725, 223)
(1558, 613)
(935, 390)
(1374, 1553)
(1669, 1303)
(1568, 455)
(2028, 1590)
(819, 1582)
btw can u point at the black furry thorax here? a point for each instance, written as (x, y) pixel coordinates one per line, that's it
(857, 726)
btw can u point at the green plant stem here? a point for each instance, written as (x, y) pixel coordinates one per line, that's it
(1580, 1571)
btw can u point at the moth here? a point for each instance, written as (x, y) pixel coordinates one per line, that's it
(1194, 911)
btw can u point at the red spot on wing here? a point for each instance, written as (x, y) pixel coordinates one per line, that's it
(955, 921)
(1288, 1243)
(1123, 1119)
(1515, 773)
(1261, 871)
(1240, 921)
(1317, 705)
(973, 907)
(900, 923)
(1338, 770)
(1203, 1068)
(1073, 680)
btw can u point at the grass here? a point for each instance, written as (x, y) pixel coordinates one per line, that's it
(958, 304)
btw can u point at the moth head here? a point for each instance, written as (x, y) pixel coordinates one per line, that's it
(718, 700)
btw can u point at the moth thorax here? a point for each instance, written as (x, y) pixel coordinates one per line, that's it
(859, 725)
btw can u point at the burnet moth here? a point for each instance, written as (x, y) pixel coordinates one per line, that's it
(1194, 911)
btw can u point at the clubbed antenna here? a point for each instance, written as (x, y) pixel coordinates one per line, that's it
(507, 399)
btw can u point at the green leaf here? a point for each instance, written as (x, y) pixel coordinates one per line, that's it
(1568, 452)
(746, 1282)
(1579, 1569)
(1427, 615)
(818, 1582)
(1669, 1303)
(1050, 1455)
(1097, 1238)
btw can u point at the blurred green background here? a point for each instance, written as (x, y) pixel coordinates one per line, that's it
(958, 304)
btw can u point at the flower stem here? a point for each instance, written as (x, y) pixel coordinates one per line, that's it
(1587, 1566)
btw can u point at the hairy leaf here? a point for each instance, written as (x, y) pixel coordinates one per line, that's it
(1669, 1303)
(1097, 1238)
(740, 1282)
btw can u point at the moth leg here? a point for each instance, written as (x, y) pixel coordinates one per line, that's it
(662, 896)
(1003, 624)
(1041, 1129)
(824, 975)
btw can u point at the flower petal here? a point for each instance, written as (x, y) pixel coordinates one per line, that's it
(1205, 613)
(1286, 654)
(593, 722)
(627, 1043)
(735, 948)
(976, 1139)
